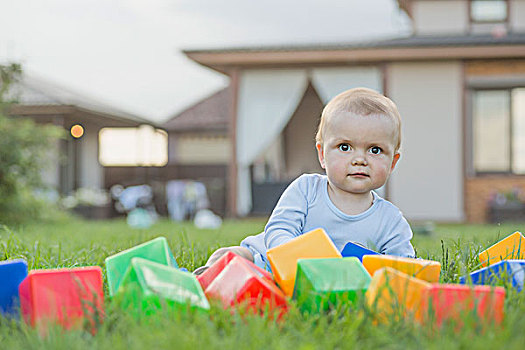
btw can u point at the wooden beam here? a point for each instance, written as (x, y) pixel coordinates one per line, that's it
(232, 179)
(385, 87)
(34, 110)
(464, 145)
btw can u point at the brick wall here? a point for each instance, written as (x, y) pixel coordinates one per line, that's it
(478, 191)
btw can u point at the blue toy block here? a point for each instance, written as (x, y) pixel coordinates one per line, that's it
(12, 273)
(507, 271)
(353, 249)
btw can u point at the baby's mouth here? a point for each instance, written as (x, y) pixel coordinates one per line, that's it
(358, 174)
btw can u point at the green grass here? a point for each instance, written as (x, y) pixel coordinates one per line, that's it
(73, 242)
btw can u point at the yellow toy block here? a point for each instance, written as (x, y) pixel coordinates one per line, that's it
(426, 270)
(510, 248)
(392, 293)
(283, 259)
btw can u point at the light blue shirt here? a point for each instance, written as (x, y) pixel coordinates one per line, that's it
(305, 206)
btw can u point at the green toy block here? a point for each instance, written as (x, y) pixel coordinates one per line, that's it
(156, 250)
(148, 286)
(322, 284)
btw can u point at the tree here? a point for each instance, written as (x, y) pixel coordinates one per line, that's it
(23, 150)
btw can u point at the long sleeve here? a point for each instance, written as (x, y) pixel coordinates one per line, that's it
(398, 240)
(288, 218)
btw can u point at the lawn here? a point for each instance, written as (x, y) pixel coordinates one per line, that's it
(74, 242)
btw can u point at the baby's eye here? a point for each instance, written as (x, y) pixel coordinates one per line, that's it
(376, 150)
(345, 147)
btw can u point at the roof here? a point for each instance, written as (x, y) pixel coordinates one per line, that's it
(391, 49)
(42, 94)
(210, 114)
(407, 41)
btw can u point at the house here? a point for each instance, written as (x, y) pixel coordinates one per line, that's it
(199, 146)
(75, 159)
(459, 83)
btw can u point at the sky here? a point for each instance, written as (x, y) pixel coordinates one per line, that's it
(128, 53)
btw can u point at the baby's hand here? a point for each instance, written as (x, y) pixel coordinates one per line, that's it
(241, 251)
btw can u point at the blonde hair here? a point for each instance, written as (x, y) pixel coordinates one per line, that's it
(360, 101)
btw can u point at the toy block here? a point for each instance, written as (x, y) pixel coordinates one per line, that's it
(321, 284)
(147, 286)
(67, 297)
(12, 273)
(426, 270)
(507, 272)
(509, 248)
(240, 283)
(445, 302)
(283, 258)
(156, 250)
(213, 271)
(353, 249)
(392, 292)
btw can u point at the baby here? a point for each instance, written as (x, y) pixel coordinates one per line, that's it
(357, 143)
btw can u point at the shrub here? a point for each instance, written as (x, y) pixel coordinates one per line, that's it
(23, 153)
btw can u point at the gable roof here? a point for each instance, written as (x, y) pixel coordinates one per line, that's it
(37, 96)
(210, 114)
(392, 49)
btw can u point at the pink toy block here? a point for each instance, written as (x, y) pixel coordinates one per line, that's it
(452, 301)
(239, 282)
(214, 270)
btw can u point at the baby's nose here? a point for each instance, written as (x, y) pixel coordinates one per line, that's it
(359, 161)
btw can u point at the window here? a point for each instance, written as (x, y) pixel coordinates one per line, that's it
(488, 11)
(142, 146)
(498, 121)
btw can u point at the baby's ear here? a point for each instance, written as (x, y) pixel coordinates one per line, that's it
(394, 161)
(320, 154)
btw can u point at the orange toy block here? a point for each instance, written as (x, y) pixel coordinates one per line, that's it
(509, 248)
(283, 259)
(392, 293)
(426, 270)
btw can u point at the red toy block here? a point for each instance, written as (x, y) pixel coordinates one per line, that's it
(452, 301)
(239, 282)
(63, 296)
(214, 270)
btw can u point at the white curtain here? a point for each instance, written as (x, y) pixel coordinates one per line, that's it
(329, 82)
(267, 100)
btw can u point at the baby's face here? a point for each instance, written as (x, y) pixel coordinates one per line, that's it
(358, 152)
